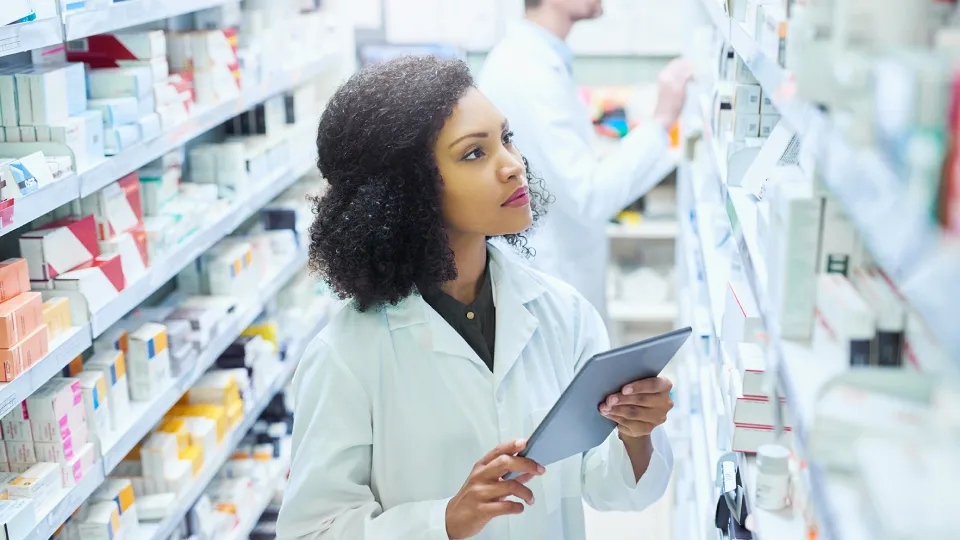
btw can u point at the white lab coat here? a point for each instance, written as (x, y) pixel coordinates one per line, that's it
(526, 78)
(393, 409)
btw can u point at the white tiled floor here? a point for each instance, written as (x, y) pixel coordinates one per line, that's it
(654, 523)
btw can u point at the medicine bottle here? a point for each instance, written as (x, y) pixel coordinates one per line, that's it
(773, 477)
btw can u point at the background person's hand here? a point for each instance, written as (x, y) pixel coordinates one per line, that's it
(483, 496)
(672, 91)
(639, 406)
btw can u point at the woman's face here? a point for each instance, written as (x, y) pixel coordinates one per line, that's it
(484, 190)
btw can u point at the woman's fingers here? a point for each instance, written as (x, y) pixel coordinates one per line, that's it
(506, 488)
(633, 412)
(507, 448)
(500, 508)
(505, 464)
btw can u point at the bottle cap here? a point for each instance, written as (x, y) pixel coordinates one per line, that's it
(773, 459)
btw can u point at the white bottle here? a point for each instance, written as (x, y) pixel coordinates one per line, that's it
(773, 477)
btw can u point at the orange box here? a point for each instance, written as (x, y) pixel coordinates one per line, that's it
(23, 355)
(14, 278)
(56, 315)
(19, 317)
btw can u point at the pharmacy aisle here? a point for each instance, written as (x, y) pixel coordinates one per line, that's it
(154, 295)
(820, 255)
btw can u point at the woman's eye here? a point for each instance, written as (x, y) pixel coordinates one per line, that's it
(508, 137)
(476, 153)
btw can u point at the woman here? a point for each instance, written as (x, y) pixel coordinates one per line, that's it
(411, 402)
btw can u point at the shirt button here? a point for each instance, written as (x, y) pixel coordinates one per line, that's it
(470, 315)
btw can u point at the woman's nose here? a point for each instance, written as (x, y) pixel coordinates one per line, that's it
(512, 168)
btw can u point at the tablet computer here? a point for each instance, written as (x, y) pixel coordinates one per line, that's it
(574, 423)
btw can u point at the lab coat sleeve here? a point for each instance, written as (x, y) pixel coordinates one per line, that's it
(607, 478)
(328, 496)
(591, 189)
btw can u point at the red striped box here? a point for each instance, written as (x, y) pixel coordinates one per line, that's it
(59, 247)
(98, 281)
(116, 208)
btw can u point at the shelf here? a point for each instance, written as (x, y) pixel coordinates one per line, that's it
(163, 529)
(250, 520)
(24, 37)
(910, 249)
(638, 312)
(116, 16)
(52, 516)
(46, 199)
(646, 230)
(62, 350)
(146, 415)
(140, 154)
(194, 246)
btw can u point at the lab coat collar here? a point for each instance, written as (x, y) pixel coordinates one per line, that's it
(514, 286)
(558, 49)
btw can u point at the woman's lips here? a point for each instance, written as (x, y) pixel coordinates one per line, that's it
(519, 198)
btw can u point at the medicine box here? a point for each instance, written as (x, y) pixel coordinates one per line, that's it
(767, 123)
(98, 281)
(747, 99)
(102, 522)
(56, 411)
(847, 319)
(117, 111)
(157, 188)
(59, 247)
(748, 439)
(116, 207)
(741, 320)
(150, 126)
(119, 138)
(145, 45)
(114, 339)
(131, 246)
(73, 471)
(56, 315)
(24, 354)
(25, 175)
(149, 361)
(19, 317)
(96, 403)
(57, 452)
(20, 452)
(16, 424)
(746, 126)
(119, 82)
(113, 365)
(14, 278)
(17, 518)
(39, 482)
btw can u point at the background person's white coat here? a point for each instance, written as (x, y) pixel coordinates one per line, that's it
(527, 77)
(393, 409)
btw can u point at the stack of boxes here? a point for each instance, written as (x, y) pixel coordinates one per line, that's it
(129, 80)
(47, 434)
(47, 103)
(208, 58)
(23, 330)
(149, 362)
(119, 216)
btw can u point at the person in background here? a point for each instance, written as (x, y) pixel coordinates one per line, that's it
(528, 76)
(411, 405)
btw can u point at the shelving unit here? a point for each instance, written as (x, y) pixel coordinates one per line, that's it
(165, 528)
(645, 230)
(25, 37)
(639, 312)
(100, 20)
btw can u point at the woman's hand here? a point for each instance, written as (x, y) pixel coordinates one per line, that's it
(639, 406)
(483, 495)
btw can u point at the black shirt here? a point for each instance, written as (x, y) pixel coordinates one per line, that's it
(476, 323)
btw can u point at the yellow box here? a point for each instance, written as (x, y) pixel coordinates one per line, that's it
(178, 428)
(56, 315)
(193, 454)
(74, 367)
(268, 331)
(235, 414)
(213, 412)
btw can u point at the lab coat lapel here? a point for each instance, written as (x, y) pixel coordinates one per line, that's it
(516, 325)
(432, 332)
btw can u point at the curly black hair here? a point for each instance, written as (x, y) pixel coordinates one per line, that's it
(379, 232)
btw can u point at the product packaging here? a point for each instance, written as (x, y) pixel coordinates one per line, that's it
(16, 424)
(17, 517)
(24, 354)
(96, 404)
(102, 522)
(119, 491)
(39, 482)
(149, 361)
(890, 311)
(19, 317)
(73, 471)
(119, 138)
(98, 281)
(56, 315)
(127, 45)
(119, 82)
(14, 278)
(25, 175)
(131, 246)
(59, 247)
(846, 319)
(117, 111)
(56, 412)
(113, 365)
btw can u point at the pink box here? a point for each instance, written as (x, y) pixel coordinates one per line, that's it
(16, 424)
(20, 452)
(75, 469)
(56, 452)
(56, 411)
(24, 354)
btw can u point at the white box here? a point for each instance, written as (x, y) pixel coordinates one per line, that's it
(96, 403)
(746, 126)
(758, 412)
(113, 365)
(767, 123)
(119, 82)
(102, 522)
(20, 451)
(746, 99)
(9, 108)
(16, 424)
(119, 138)
(157, 188)
(119, 111)
(99, 281)
(17, 518)
(12, 11)
(38, 482)
(159, 453)
(838, 240)
(43, 133)
(792, 268)
(741, 317)
(132, 259)
(56, 412)
(766, 105)
(752, 366)
(73, 471)
(150, 127)
(54, 93)
(149, 361)
(891, 312)
(848, 320)
(748, 439)
(28, 134)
